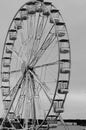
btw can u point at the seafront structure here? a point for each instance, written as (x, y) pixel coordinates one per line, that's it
(35, 68)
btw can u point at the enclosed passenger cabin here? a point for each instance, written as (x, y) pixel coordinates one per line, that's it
(63, 86)
(54, 16)
(61, 32)
(8, 51)
(17, 23)
(64, 50)
(47, 8)
(5, 90)
(65, 66)
(58, 106)
(31, 7)
(65, 70)
(12, 34)
(7, 103)
(23, 14)
(39, 8)
(6, 61)
(5, 76)
(64, 42)
(64, 46)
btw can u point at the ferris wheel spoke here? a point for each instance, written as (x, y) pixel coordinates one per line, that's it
(35, 38)
(38, 35)
(19, 105)
(46, 65)
(30, 26)
(17, 54)
(24, 46)
(15, 71)
(48, 41)
(13, 90)
(37, 26)
(27, 100)
(33, 98)
(22, 109)
(20, 102)
(45, 89)
(10, 93)
(41, 85)
(24, 41)
(17, 86)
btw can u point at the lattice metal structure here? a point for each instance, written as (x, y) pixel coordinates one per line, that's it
(35, 68)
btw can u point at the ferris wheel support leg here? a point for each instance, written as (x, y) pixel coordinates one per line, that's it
(19, 84)
(63, 123)
(33, 100)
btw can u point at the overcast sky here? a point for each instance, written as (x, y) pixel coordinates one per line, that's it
(74, 14)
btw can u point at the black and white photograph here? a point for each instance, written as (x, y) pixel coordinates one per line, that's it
(42, 65)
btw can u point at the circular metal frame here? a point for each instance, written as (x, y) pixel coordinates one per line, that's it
(50, 17)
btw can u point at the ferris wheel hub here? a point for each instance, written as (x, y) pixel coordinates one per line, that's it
(26, 68)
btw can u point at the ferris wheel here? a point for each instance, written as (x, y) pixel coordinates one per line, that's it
(35, 67)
